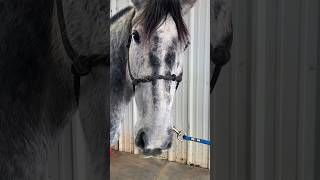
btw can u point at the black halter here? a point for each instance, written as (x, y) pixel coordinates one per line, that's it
(81, 64)
(149, 78)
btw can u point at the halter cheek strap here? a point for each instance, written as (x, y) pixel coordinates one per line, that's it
(81, 64)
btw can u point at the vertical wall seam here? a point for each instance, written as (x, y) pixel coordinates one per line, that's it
(298, 106)
(249, 88)
(276, 81)
(317, 142)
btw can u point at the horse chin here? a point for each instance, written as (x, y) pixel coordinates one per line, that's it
(146, 154)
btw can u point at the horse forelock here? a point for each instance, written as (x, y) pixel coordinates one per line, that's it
(155, 13)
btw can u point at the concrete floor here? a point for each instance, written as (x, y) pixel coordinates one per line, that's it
(125, 166)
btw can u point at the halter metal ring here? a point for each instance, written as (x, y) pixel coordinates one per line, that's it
(179, 133)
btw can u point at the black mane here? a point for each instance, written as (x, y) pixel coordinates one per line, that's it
(155, 12)
(120, 14)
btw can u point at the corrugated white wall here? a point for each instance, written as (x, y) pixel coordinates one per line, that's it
(191, 107)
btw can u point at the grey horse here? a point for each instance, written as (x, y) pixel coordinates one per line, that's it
(147, 41)
(36, 85)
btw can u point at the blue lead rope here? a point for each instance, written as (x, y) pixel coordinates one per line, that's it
(198, 140)
(181, 136)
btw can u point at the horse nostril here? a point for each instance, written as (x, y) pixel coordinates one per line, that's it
(141, 139)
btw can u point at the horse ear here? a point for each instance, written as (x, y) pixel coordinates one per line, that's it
(138, 4)
(187, 5)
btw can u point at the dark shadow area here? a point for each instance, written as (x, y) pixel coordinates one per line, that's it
(317, 139)
(265, 108)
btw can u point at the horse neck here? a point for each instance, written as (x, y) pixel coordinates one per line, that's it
(87, 25)
(121, 91)
(120, 32)
(86, 28)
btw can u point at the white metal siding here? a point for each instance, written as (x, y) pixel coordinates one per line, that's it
(191, 107)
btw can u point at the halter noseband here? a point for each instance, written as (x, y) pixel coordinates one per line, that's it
(150, 78)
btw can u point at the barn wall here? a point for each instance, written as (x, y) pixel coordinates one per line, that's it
(191, 107)
(265, 107)
(67, 158)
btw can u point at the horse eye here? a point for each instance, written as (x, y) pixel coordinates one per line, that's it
(136, 36)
